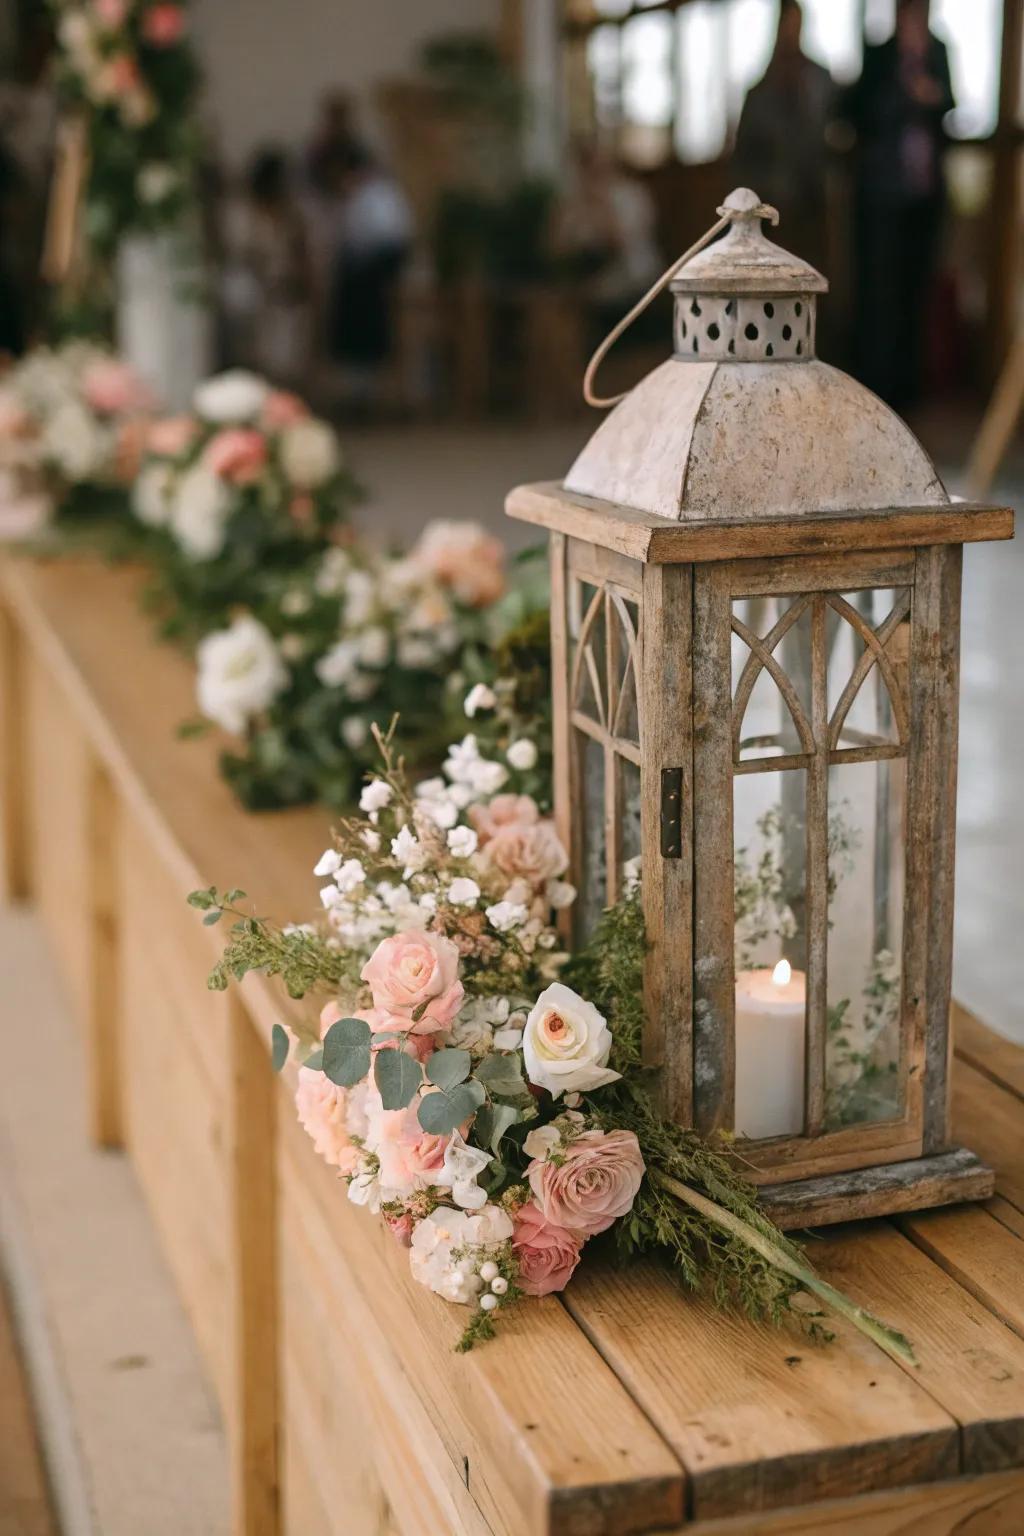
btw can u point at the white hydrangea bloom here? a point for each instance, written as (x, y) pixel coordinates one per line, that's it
(439, 1235)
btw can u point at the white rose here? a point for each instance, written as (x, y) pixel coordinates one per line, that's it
(156, 181)
(437, 1236)
(479, 697)
(462, 842)
(233, 396)
(239, 673)
(522, 754)
(463, 892)
(566, 1043)
(152, 494)
(310, 454)
(199, 513)
(462, 1166)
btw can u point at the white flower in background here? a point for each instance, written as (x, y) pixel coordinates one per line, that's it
(338, 666)
(559, 894)
(461, 760)
(416, 652)
(522, 754)
(295, 603)
(310, 453)
(371, 839)
(354, 731)
(361, 685)
(375, 795)
(631, 875)
(442, 811)
(473, 1028)
(504, 916)
(462, 1167)
(486, 778)
(360, 596)
(234, 396)
(74, 442)
(364, 1188)
(349, 876)
(330, 896)
(566, 1043)
(463, 892)
(374, 646)
(239, 673)
(462, 842)
(156, 181)
(328, 863)
(408, 850)
(479, 697)
(329, 580)
(152, 494)
(200, 511)
(438, 1236)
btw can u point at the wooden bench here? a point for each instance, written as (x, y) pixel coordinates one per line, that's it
(625, 1406)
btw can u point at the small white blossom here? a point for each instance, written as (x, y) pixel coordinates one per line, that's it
(462, 1166)
(406, 847)
(360, 594)
(462, 842)
(349, 876)
(486, 778)
(506, 915)
(463, 892)
(541, 1141)
(479, 697)
(329, 862)
(507, 1039)
(374, 645)
(631, 875)
(338, 666)
(371, 840)
(330, 896)
(354, 731)
(522, 754)
(560, 894)
(375, 795)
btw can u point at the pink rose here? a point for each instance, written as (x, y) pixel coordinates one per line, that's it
(409, 972)
(527, 851)
(164, 25)
(501, 812)
(547, 1254)
(595, 1182)
(238, 454)
(114, 388)
(465, 558)
(400, 1228)
(281, 409)
(171, 436)
(120, 76)
(322, 1109)
(111, 13)
(410, 1159)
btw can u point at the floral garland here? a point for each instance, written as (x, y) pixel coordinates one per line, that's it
(72, 420)
(480, 1090)
(129, 65)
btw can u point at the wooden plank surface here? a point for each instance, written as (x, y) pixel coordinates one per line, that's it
(991, 1054)
(14, 856)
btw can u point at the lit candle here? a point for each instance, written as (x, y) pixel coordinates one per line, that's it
(770, 1014)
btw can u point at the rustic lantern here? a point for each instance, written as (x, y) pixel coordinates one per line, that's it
(755, 643)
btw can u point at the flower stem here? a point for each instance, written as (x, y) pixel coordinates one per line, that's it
(894, 1343)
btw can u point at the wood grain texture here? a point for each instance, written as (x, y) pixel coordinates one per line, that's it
(987, 1118)
(880, 1190)
(989, 1053)
(654, 540)
(14, 851)
(759, 1417)
(984, 1256)
(975, 1506)
(102, 999)
(968, 1360)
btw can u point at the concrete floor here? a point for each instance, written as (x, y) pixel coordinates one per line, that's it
(421, 473)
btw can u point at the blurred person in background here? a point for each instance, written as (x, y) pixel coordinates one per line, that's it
(266, 274)
(604, 234)
(897, 109)
(780, 146)
(374, 241)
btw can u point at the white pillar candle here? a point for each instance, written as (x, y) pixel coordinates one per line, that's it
(770, 1030)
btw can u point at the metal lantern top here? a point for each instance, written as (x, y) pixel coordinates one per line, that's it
(730, 424)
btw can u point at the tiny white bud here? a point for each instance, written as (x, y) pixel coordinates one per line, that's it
(499, 1285)
(488, 1302)
(488, 1271)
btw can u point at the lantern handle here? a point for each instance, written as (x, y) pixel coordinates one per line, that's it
(727, 214)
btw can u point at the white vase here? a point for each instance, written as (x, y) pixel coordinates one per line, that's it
(164, 325)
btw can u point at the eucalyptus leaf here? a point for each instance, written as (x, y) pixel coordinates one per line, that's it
(347, 1052)
(398, 1077)
(448, 1067)
(501, 1075)
(441, 1113)
(278, 1047)
(315, 1060)
(492, 1121)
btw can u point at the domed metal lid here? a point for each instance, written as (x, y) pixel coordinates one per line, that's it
(745, 261)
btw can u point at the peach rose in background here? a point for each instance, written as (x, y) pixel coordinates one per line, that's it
(528, 851)
(464, 557)
(594, 1183)
(113, 388)
(238, 454)
(412, 971)
(322, 1109)
(547, 1254)
(281, 409)
(171, 436)
(164, 25)
(503, 811)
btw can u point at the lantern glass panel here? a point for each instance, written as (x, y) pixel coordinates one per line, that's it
(593, 868)
(771, 675)
(631, 802)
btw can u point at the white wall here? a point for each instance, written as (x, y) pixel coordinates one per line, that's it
(267, 61)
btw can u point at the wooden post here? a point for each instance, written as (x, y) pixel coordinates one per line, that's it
(253, 1415)
(103, 1000)
(15, 881)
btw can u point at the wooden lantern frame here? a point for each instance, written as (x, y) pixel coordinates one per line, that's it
(663, 593)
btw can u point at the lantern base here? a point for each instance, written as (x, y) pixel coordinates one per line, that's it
(944, 1179)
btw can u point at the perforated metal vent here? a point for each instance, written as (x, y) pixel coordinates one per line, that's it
(743, 328)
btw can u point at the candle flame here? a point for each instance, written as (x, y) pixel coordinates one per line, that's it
(782, 974)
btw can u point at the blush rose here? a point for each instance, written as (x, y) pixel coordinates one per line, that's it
(415, 973)
(238, 454)
(503, 811)
(594, 1182)
(527, 851)
(547, 1254)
